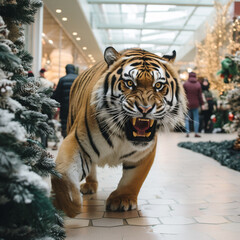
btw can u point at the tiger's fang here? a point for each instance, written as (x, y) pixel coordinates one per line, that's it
(151, 122)
(134, 121)
(147, 134)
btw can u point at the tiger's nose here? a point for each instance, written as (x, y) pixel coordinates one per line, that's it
(144, 109)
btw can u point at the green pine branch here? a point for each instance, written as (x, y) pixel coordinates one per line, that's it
(26, 59)
(23, 12)
(15, 216)
(34, 122)
(8, 61)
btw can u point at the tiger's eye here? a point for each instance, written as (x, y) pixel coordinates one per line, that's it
(130, 83)
(157, 85)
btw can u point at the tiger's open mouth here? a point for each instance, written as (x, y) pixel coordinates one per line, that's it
(140, 129)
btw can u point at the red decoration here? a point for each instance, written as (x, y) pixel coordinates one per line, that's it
(213, 118)
(230, 117)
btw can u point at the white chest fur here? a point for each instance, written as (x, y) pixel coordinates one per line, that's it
(122, 151)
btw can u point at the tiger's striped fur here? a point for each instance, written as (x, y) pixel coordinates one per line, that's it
(115, 109)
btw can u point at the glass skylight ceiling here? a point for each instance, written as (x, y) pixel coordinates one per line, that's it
(158, 26)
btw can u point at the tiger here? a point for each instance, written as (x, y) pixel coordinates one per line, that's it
(116, 109)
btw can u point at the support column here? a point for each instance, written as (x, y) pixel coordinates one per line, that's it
(36, 52)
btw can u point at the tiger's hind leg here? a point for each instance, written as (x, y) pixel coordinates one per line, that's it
(72, 166)
(91, 184)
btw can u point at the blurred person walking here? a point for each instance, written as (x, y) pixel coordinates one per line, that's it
(208, 106)
(61, 94)
(193, 92)
(43, 81)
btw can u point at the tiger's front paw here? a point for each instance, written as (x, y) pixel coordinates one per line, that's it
(89, 187)
(121, 202)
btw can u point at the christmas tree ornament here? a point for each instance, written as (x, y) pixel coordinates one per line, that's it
(230, 116)
(229, 69)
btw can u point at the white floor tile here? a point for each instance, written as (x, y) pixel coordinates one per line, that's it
(186, 196)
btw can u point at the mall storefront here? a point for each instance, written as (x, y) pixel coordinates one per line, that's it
(51, 47)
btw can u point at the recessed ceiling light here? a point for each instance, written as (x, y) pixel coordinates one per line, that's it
(74, 33)
(58, 10)
(43, 34)
(50, 41)
(84, 48)
(64, 19)
(90, 55)
(78, 38)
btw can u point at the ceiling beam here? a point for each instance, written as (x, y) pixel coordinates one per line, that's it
(144, 42)
(183, 26)
(140, 27)
(152, 2)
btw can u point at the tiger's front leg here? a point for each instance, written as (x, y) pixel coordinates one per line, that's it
(124, 198)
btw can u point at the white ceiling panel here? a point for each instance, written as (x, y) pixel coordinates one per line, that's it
(156, 25)
(159, 26)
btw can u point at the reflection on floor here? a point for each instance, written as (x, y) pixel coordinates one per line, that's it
(186, 196)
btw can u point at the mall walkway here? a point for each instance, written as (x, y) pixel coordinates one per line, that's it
(186, 196)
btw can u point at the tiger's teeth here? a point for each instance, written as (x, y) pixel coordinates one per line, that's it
(147, 134)
(134, 134)
(143, 120)
(134, 121)
(151, 122)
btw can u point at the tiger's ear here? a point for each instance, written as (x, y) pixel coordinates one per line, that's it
(111, 55)
(170, 58)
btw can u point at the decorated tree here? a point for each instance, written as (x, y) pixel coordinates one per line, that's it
(218, 44)
(230, 72)
(26, 211)
(220, 49)
(233, 96)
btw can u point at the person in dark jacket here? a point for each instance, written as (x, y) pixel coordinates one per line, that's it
(193, 92)
(207, 110)
(61, 94)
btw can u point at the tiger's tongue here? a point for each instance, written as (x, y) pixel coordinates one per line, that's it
(141, 126)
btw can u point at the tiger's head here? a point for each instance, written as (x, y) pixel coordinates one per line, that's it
(139, 93)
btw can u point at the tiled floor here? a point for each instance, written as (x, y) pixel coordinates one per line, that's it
(186, 196)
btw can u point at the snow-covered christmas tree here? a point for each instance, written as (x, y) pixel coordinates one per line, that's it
(26, 211)
(233, 96)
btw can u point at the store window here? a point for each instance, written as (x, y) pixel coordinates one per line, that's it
(58, 50)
